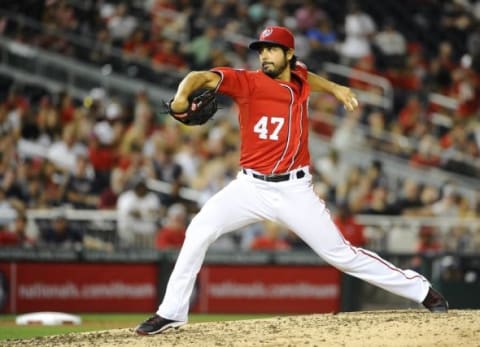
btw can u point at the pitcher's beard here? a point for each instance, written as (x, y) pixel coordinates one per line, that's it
(274, 72)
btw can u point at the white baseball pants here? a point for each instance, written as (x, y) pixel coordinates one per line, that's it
(293, 203)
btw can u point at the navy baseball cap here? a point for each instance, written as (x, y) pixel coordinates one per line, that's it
(274, 35)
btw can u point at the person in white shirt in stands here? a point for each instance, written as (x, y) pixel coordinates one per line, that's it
(138, 212)
(63, 153)
(359, 29)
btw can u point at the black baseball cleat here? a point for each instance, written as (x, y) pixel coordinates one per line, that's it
(435, 302)
(156, 324)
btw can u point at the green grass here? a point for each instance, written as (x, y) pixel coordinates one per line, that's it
(92, 322)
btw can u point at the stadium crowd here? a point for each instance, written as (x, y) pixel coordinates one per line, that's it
(101, 152)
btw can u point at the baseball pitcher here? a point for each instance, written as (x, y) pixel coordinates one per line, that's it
(274, 182)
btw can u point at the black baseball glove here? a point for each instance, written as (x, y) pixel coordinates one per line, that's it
(202, 108)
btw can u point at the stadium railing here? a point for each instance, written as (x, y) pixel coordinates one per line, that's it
(391, 234)
(56, 72)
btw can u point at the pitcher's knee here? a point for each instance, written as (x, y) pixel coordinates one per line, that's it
(201, 233)
(341, 260)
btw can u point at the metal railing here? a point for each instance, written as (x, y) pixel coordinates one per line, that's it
(393, 234)
(396, 167)
(384, 101)
(34, 65)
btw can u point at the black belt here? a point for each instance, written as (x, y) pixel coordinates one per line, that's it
(275, 178)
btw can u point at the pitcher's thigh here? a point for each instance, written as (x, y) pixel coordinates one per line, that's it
(308, 217)
(231, 208)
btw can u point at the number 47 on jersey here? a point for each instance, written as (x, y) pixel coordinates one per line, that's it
(269, 127)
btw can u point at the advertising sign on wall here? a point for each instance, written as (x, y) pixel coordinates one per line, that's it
(267, 289)
(79, 287)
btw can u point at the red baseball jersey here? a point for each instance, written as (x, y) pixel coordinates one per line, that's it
(273, 118)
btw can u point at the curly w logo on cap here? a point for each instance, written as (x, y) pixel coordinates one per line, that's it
(275, 35)
(265, 33)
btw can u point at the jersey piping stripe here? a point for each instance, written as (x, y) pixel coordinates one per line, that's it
(221, 79)
(391, 267)
(292, 98)
(299, 140)
(374, 256)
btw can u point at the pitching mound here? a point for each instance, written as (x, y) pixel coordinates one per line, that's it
(375, 328)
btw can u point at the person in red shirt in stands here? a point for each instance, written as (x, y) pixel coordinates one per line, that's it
(271, 239)
(17, 236)
(172, 234)
(428, 244)
(350, 229)
(167, 57)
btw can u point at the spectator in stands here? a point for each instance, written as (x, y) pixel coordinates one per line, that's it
(9, 182)
(199, 50)
(410, 114)
(473, 46)
(378, 204)
(323, 114)
(455, 23)
(163, 167)
(435, 205)
(63, 154)
(351, 187)
(137, 47)
(331, 171)
(9, 207)
(131, 163)
(121, 24)
(439, 78)
(80, 190)
(448, 205)
(427, 153)
(16, 235)
(9, 130)
(359, 29)
(48, 121)
(323, 43)
(271, 239)
(458, 239)
(116, 185)
(429, 195)
(376, 132)
(100, 52)
(61, 234)
(102, 151)
(459, 151)
(428, 240)
(408, 197)
(32, 192)
(390, 45)
(58, 17)
(428, 245)
(376, 174)
(66, 107)
(346, 135)
(348, 226)
(172, 234)
(138, 213)
(309, 15)
(167, 57)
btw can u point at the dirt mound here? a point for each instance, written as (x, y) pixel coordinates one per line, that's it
(374, 328)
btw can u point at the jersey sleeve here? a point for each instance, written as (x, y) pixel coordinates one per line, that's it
(233, 82)
(301, 69)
